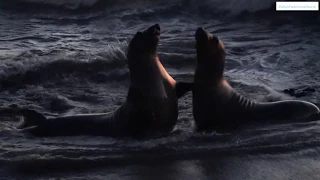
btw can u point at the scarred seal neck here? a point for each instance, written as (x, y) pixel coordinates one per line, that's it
(146, 76)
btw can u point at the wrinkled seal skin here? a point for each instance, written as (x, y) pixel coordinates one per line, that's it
(217, 106)
(151, 106)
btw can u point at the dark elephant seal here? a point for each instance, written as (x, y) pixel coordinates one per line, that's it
(151, 106)
(216, 105)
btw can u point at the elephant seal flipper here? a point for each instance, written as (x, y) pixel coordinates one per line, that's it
(217, 105)
(182, 88)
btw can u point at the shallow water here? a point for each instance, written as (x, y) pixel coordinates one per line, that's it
(66, 57)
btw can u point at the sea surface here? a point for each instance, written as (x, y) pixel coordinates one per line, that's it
(62, 57)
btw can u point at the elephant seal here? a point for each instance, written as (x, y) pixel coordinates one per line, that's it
(217, 106)
(151, 106)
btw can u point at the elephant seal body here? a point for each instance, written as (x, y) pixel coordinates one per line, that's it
(216, 105)
(151, 106)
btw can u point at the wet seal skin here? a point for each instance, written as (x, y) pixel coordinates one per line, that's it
(217, 106)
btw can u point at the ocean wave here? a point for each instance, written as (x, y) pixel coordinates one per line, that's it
(65, 5)
(97, 70)
(45, 4)
(150, 10)
(67, 160)
(37, 66)
(233, 6)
